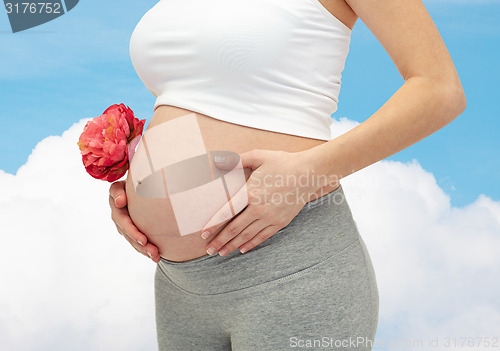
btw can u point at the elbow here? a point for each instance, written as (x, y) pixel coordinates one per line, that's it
(459, 99)
(454, 99)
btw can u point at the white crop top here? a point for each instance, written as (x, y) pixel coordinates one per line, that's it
(268, 64)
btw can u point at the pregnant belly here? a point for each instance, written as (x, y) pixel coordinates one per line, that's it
(171, 218)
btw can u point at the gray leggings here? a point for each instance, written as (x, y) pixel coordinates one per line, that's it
(310, 286)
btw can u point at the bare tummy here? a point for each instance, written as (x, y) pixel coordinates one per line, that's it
(155, 216)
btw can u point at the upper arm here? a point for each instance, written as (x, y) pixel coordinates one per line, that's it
(408, 34)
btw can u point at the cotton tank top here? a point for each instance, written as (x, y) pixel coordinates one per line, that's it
(274, 65)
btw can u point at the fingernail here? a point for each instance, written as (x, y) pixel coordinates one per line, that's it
(149, 254)
(222, 252)
(116, 199)
(219, 159)
(205, 234)
(140, 242)
(243, 250)
(211, 250)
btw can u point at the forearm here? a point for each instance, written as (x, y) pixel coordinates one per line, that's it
(419, 108)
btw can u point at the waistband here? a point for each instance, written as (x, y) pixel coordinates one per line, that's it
(323, 228)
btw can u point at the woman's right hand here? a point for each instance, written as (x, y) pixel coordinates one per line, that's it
(124, 224)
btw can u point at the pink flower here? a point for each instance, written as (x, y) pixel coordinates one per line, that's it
(108, 142)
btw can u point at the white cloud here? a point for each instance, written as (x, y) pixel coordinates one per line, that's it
(437, 265)
(70, 281)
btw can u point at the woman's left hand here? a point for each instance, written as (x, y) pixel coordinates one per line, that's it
(278, 188)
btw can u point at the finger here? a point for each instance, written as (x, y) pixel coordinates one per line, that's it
(127, 229)
(250, 159)
(122, 219)
(141, 249)
(114, 211)
(262, 236)
(230, 231)
(112, 204)
(121, 200)
(215, 224)
(136, 246)
(131, 232)
(118, 193)
(226, 160)
(119, 229)
(149, 250)
(239, 201)
(152, 252)
(246, 235)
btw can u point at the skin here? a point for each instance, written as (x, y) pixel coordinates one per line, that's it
(431, 97)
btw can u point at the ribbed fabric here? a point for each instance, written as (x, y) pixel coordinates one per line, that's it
(312, 280)
(268, 64)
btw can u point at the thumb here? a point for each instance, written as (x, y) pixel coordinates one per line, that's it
(230, 160)
(117, 192)
(252, 159)
(226, 160)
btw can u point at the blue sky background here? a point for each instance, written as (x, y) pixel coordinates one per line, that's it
(463, 156)
(76, 66)
(53, 75)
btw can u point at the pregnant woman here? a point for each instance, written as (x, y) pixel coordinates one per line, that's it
(257, 81)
